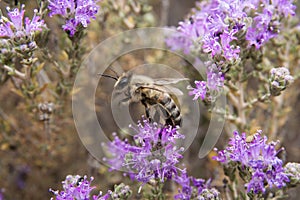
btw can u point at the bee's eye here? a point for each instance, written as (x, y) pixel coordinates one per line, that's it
(123, 82)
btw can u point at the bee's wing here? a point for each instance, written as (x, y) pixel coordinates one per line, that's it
(173, 90)
(165, 84)
(164, 88)
(168, 81)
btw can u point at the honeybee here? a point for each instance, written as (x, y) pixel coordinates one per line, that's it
(152, 93)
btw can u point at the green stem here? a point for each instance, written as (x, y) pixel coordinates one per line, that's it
(157, 191)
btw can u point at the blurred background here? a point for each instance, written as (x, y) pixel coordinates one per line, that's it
(36, 155)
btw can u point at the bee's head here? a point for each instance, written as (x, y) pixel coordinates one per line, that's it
(123, 81)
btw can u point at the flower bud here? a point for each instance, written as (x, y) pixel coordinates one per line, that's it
(280, 78)
(293, 171)
(121, 191)
(32, 45)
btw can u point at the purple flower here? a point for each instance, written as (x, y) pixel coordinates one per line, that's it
(212, 45)
(75, 187)
(229, 51)
(215, 78)
(179, 41)
(194, 188)
(186, 189)
(210, 30)
(261, 30)
(17, 27)
(214, 83)
(266, 24)
(199, 91)
(61, 7)
(152, 156)
(256, 157)
(283, 7)
(256, 183)
(76, 13)
(85, 11)
(215, 25)
(105, 197)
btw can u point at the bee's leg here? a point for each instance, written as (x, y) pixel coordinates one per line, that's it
(157, 117)
(147, 110)
(166, 114)
(170, 122)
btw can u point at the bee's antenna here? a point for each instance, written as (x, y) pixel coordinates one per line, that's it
(117, 75)
(108, 76)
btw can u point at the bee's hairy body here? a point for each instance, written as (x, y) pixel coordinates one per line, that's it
(150, 92)
(165, 102)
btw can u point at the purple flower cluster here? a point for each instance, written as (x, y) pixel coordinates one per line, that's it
(153, 156)
(214, 84)
(193, 188)
(266, 23)
(79, 188)
(219, 25)
(75, 187)
(199, 91)
(257, 158)
(215, 78)
(17, 27)
(220, 28)
(76, 12)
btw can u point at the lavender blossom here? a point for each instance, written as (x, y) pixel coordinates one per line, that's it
(199, 91)
(256, 158)
(179, 41)
(193, 188)
(217, 26)
(18, 27)
(213, 85)
(75, 13)
(215, 78)
(75, 187)
(153, 156)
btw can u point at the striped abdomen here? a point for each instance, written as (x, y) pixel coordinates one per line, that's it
(169, 109)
